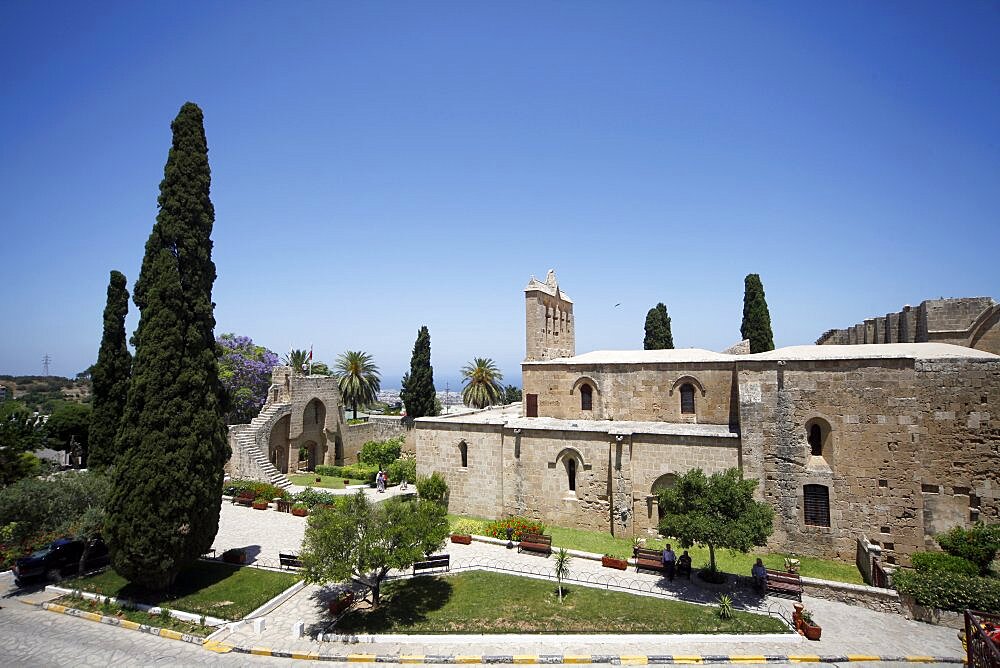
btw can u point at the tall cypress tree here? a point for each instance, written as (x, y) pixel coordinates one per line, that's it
(756, 318)
(658, 334)
(164, 506)
(418, 385)
(110, 376)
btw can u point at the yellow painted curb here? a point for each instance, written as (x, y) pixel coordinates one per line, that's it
(694, 658)
(637, 660)
(92, 616)
(55, 607)
(217, 647)
(468, 659)
(920, 659)
(863, 657)
(129, 624)
(361, 658)
(173, 635)
(747, 658)
(577, 658)
(260, 651)
(804, 658)
(525, 658)
(314, 656)
(411, 658)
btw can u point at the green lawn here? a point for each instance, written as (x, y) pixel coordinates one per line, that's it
(600, 542)
(327, 481)
(111, 610)
(481, 602)
(204, 588)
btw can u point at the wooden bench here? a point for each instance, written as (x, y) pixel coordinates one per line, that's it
(289, 561)
(651, 560)
(432, 562)
(783, 583)
(283, 506)
(244, 499)
(535, 542)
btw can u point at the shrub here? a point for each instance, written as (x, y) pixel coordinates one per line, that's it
(300, 506)
(312, 498)
(353, 471)
(433, 488)
(402, 469)
(381, 453)
(332, 471)
(726, 607)
(470, 527)
(256, 487)
(978, 544)
(262, 499)
(521, 526)
(949, 591)
(937, 562)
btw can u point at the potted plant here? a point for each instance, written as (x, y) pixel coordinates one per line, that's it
(341, 603)
(611, 561)
(260, 503)
(300, 510)
(461, 538)
(347, 481)
(804, 623)
(319, 478)
(236, 555)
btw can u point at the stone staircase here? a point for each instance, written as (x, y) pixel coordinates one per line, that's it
(246, 440)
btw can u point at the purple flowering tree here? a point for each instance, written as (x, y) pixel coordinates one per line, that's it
(245, 371)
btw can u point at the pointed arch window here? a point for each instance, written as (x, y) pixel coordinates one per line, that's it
(586, 397)
(571, 473)
(463, 450)
(816, 440)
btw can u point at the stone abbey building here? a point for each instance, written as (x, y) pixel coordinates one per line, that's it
(893, 441)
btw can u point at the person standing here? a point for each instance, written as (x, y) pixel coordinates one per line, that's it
(669, 562)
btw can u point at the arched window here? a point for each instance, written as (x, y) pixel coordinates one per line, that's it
(687, 398)
(463, 449)
(571, 473)
(586, 397)
(816, 440)
(816, 504)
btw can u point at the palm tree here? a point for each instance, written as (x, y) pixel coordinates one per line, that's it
(358, 378)
(482, 383)
(562, 567)
(295, 359)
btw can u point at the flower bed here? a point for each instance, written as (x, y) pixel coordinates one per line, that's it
(520, 525)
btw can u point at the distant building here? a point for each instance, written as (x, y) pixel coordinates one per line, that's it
(5, 393)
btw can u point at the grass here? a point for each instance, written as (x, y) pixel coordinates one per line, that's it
(204, 588)
(112, 610)
(600, 542)
(481, 602)
(327, 481)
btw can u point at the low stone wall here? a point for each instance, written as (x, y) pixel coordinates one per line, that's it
(377, 428)
(912, 610)
(873, 598)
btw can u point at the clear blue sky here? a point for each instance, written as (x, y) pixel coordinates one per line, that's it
(380, 166)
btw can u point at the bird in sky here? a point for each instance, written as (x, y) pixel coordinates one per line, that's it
(618, 304)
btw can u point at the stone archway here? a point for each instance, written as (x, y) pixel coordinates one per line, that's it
(312, 455)
(278, 444)
(665, 481)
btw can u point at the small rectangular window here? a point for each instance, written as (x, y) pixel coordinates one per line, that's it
(930, 489)
(531, 407)
(816, 503)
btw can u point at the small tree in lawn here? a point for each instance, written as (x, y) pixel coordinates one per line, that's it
(717, 511)
(561, 568)
(364, 540)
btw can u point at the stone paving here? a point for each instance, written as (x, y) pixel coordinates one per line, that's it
(846, 629)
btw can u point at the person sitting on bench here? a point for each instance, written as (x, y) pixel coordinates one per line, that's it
(684, 565)
(759, 572)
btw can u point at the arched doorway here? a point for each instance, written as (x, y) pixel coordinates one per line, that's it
(665, 481)
(312, 455)
(277, 445)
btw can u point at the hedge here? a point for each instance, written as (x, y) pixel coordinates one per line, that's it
(941, 562)
(312, 498)
(402, 469)
(258, 488)
(521, 526)
(949, 591)
(353, 471)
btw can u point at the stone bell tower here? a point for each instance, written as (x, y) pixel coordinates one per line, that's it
(549, 325)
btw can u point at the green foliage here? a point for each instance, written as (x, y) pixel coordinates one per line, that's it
(930, 562)
(561, 567)
(236, 485)
(658, 335)
(949, 591)
(164, 507)
(352, 471)
(295, 359)
(521, 526)
(511, 394)
(756, 318)
(35, 512)
(402, 469)
(433, 488)
(358, 378)
(725, 606)
(717, 511)
(20, 435)
(418, 393)
(68, 428)
(482, 383)
(470, 527)
(245, 372)
(381, 453)
(312, 498)
(978, 544)
(110, 376)
(365, 540)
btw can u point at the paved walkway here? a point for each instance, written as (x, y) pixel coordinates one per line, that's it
(847, 630)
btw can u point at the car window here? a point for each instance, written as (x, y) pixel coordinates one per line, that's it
(39, 554)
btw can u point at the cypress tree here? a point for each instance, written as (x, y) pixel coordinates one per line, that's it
(418, 385)
(110, 376)
(756, 318)
(164, 507)
(658, 336)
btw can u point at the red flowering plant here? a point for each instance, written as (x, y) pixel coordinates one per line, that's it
(520, 525)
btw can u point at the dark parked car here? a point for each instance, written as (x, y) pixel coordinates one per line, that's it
(61, 557)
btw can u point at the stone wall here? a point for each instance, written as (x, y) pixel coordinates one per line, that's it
(475, 489)
(549, 323)
(377, 428)
(646, 392)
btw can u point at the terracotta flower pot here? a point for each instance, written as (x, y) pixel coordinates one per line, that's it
(346, 482)
(319, 479)
(612, 562)
(300, 512)
(259, 506)
(811, 631)
(461, 538)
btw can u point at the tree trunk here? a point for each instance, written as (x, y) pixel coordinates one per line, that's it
(376, 594)
(83, 557)
(711, 557)
(354, 406)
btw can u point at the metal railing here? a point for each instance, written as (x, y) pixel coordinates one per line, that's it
(982, 644)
